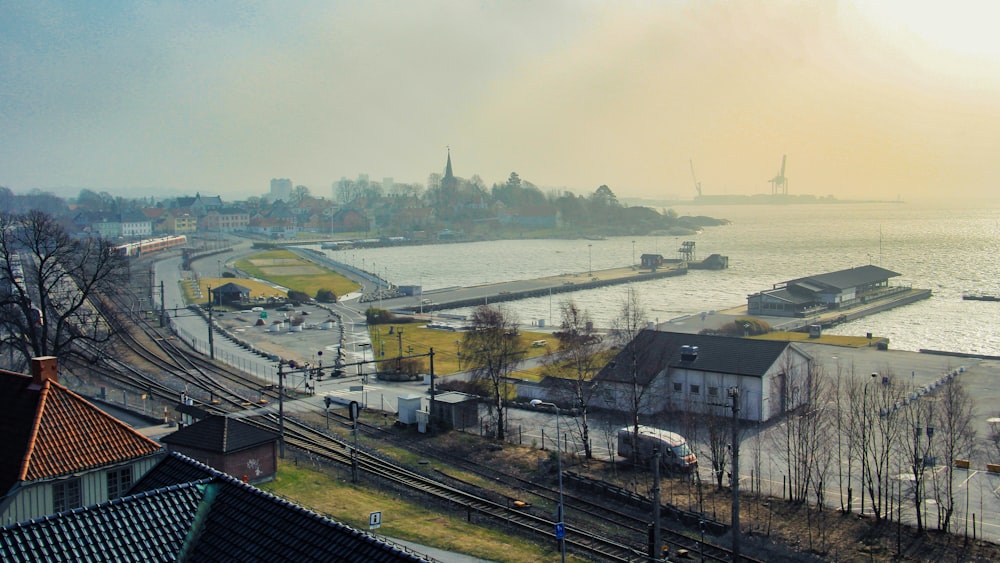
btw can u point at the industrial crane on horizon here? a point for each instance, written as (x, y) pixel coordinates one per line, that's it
(697, 184)
(779, 184)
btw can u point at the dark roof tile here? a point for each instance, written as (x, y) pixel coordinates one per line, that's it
(212, 518)
(653, 351)
(220, 434)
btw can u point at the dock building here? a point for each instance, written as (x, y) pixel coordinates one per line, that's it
(822, 293)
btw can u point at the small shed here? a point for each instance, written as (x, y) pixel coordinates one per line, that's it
(229, 445)
(407, 406)
(230, 293)
(456, 410)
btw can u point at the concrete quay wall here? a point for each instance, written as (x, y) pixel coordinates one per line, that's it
(501, 292)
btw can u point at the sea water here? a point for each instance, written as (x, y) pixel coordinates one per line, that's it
(948, 249)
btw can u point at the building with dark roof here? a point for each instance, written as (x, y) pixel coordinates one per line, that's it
(815, 294)
(184, 510)
(679, 372)
(230, 294)
(59, 451)
(229, 445)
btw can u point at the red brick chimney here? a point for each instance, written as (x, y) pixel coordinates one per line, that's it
(44, 368)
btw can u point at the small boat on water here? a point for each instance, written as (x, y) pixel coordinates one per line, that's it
(980, 297)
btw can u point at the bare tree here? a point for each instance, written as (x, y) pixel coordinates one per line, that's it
(955, 438)
(886, 430)
(625, 331)
(806, 430)
(915, 445)
(846, 441)
(494, 349)
(576, 360)
(51, 287)
(718, 436)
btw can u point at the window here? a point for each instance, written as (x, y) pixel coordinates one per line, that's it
(695, 389)
(119, 481)
(66, 495)
(713, 391)
(678, 387)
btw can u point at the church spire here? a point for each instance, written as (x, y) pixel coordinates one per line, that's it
(447, 169)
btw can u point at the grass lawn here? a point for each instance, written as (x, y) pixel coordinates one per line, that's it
(418, 339)
(287, 269)
(351, 504)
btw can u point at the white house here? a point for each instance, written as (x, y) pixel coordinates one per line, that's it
(678, 372)
(59, 451)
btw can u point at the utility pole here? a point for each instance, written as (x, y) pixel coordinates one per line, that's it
(211, 337)
(399, 338)
(734, 394)
(430, 417)
(281, 410)
(163, 308)
(657, 544)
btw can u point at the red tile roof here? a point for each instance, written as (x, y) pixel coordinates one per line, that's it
(51, 431)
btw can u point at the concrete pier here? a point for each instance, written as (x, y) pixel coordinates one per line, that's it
(457, 297)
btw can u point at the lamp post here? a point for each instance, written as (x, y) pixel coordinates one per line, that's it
(633, 254)
(560, 525)
(590, 260)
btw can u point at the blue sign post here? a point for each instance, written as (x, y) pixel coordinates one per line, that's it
(560, 530)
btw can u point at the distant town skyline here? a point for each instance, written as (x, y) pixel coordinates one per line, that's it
(868, 100)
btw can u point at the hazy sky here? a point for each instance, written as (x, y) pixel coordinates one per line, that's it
(868, 99)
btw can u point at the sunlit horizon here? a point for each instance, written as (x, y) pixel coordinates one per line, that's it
(869, 100)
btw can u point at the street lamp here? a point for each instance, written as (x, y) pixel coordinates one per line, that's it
(633, 254)
(590, 260)
(560, 525)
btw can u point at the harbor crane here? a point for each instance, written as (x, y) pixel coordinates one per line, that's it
(779, 184)
(697, 184)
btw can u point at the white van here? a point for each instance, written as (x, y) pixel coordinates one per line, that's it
(674, 451)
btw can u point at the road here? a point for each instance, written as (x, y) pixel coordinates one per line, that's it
(978, 487)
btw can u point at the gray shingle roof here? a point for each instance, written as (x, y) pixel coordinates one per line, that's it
(212, 518)
(851, 277)
(220, 434)
(145, 527)
(655, 350)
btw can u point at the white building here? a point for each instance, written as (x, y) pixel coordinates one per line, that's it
(679, 372)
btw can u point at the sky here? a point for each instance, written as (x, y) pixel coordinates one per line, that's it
(868, 99)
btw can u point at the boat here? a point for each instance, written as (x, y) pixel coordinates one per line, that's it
(980, 297)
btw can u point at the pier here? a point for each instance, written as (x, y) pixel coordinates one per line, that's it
(458, 297)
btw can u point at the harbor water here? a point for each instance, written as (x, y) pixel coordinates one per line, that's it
(949, 250)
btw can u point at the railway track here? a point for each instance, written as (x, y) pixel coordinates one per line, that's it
(184, 368)
(306, 438)
(630, 525)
